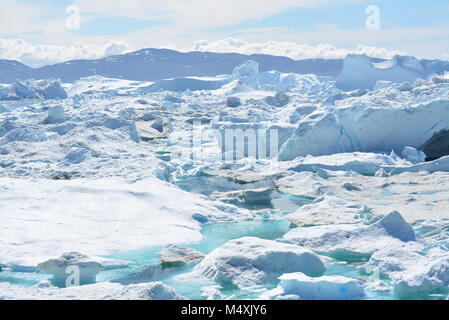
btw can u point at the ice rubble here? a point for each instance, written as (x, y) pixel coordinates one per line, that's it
(359, 72)
(250, 261)
(98, 291)
(295, 286)
(356, 241)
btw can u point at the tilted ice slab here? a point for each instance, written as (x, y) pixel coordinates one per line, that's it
(46, 218)
(381, 121)
(356, 241)
(98, 291)
(250, 261)
(297, 285)
(359, 72)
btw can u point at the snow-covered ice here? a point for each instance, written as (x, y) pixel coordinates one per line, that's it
(356, 241)
(250, 261)
(80, 212)
(98, 291)
(301, 287)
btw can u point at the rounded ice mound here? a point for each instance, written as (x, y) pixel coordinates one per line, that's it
(60, 268)
(413, 155)
(250, 261)
(247, 69)
(320, 288)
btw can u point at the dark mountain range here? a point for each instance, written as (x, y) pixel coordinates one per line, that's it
(158, 64)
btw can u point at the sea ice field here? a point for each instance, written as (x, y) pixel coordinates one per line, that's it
(250, 185)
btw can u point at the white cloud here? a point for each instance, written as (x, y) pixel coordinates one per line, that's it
(39, 55)
(289, 49)
(17, 17)
(194, 14)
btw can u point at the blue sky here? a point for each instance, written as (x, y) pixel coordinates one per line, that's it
(320, 27)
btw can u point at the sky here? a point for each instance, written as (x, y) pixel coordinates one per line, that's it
(49, 31)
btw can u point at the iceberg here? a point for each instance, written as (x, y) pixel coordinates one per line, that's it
(98, 291)
(247, 69)
(371, 123)
(301, 287)
(38, 89)
(359, 72)
(354, 242)
(250, 261)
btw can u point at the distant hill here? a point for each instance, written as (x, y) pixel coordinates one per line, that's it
(158, 64)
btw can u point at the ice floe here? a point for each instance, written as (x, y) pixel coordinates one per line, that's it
(250, 261)
(298, 286)
(98, 291)
(351, 242)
